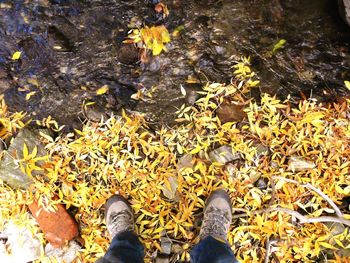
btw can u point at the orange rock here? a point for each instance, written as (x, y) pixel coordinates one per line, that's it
(59, 227)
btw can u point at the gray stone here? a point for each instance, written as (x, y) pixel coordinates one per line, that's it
(185, 162)
(10, 171)
(223, 155)
(165, 244)
(21, 245)
(171, 193)
(67, 254)
(344, 9)
(162, 260)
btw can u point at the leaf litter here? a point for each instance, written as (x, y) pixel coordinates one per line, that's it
(122, 155)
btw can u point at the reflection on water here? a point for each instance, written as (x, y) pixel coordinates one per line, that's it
(71, 48)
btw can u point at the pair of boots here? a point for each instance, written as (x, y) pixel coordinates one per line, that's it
(213, 247)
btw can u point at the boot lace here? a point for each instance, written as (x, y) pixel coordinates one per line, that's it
(215, 223)
(120, 222)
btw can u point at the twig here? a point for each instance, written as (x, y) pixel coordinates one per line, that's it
(238, 210)
(300, 217)
(273, 188)
(267, 253)
(303, 219)
(313, 188)
(269, 244)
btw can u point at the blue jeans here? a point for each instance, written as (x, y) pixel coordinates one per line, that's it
(126, 248)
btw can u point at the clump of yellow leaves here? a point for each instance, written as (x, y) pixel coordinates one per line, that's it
(150, 38)
(167, 175)
(9, 123)
(13, 202)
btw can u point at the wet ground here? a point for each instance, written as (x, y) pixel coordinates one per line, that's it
(72, 48)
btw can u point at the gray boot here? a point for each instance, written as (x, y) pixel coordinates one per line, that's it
(217, 216)
(119, 215)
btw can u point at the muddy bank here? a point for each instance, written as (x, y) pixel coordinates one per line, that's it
(72, 48)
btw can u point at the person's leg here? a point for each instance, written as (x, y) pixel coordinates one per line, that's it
(213, 247)
(125, 246)
(211, 250)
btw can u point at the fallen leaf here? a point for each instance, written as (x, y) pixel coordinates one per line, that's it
(102, 90)
(16, 55)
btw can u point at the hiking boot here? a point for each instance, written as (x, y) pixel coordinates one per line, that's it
(217, 216)
(119, 215)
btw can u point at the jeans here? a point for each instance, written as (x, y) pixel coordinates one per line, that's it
(126, 248)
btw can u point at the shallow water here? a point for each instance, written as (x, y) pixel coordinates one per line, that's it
(72, 48)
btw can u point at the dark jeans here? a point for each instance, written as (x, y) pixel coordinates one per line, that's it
(126, 248)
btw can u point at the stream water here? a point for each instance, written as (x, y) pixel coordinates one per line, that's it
(72, 48)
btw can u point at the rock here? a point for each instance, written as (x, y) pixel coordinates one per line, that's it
(94, 113)
(165, 244)
(297, 164)
(191, 97)
(344, 10)
(262, 183)
(231, 112)
(21, 243)
(66, 254)
(10, 171)
(160, 259)
(170, 192)
(59, 227)
(185, 162)
(128, 54)
(223, 155)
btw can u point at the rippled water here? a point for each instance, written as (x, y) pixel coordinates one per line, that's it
(71, 48)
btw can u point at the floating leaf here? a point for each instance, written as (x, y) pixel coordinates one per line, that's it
(102, 90)
(16, 55)
(347, 84)
(280, 44)
(30, 94)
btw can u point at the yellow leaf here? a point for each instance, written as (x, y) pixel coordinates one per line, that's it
(102, 90)
(157, 48)
(347, 84)
(25, 151)
(35, 151)
(30, 94)
(16, 55)
(326, 245)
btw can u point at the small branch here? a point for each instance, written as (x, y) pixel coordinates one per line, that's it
(273, 195)
(300, 217)
(269, 244)
(238, 210)
(313, 188)
(309, 220)
(267, 252)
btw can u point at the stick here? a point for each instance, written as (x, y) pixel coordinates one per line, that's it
(267, 253)
(313, 188)
(300, 217)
